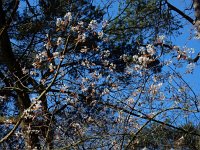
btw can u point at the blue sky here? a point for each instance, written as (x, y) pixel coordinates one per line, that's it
(187, 39)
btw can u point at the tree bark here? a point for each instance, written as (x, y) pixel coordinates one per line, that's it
(23, 100)
(196, 5)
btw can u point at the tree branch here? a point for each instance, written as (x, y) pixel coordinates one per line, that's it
(180, 12)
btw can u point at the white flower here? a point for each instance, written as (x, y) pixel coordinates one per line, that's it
(106, 62)
(145, 148)
(85, 63)
(37, 105)
(100, 35)
(124, 57)
(58, 22)
(59, 41)
(167, 62)
(135, 57)
(75, 125)
(84, 49)
(190, 67)
(3, 97)
(142, 49)
(112, 66)
(105, 23)
(47, 45)
(154, 88)
(56, 54)
(42, 54)
(140, 59)
(68, 16)
(160, 39)
(106, 53)
(51, 67)
(74, 28)
(105, 91)
(81, 23)
(150, 49)
(24, 70)
(92, 25)
(162, 96)
(143, 60)
(33, 73)
(137, 67)
(197, 35)
(82, 37)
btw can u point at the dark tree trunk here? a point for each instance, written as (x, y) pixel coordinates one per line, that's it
(23, 100)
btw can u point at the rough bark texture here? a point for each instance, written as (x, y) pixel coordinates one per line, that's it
(196, 5)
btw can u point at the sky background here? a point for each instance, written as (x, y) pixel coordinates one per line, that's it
(187, 39)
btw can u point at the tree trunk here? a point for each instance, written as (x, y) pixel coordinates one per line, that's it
(196, 5)
(23, 100)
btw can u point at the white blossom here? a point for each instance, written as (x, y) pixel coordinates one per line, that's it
(51, 66)
(154, 88)
(81, 23)
(105, 91)
(135, 57)
(124, 57)
(68, 16)
(106, 62)
(143, 60)
(162, 96)
(160, 39)
(150, 49)
(106, 53)
(58, 22)
(24, 70)
(59, 41)
(82, 37)
(56, 54)
(137, 67)
(47, 45)
(84, 49)
(105, 23)
(190, 67)
(100, 34)
(93, 25)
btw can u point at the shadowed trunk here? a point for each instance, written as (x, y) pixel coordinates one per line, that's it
(23, 100)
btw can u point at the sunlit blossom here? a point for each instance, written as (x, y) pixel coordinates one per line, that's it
(105, 23)
(154, 88)
(59, 41)
(100, 34)
(58, 22)
(56, 54)
(160, 39)
(150, 49)
(68, 16)
(25, 71)
(92, 25)
(84, 49)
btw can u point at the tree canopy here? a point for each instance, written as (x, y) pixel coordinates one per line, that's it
(72, 76)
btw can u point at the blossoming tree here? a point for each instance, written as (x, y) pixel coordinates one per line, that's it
(72, 80)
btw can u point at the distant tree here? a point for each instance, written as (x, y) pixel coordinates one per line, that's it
(156, 136)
